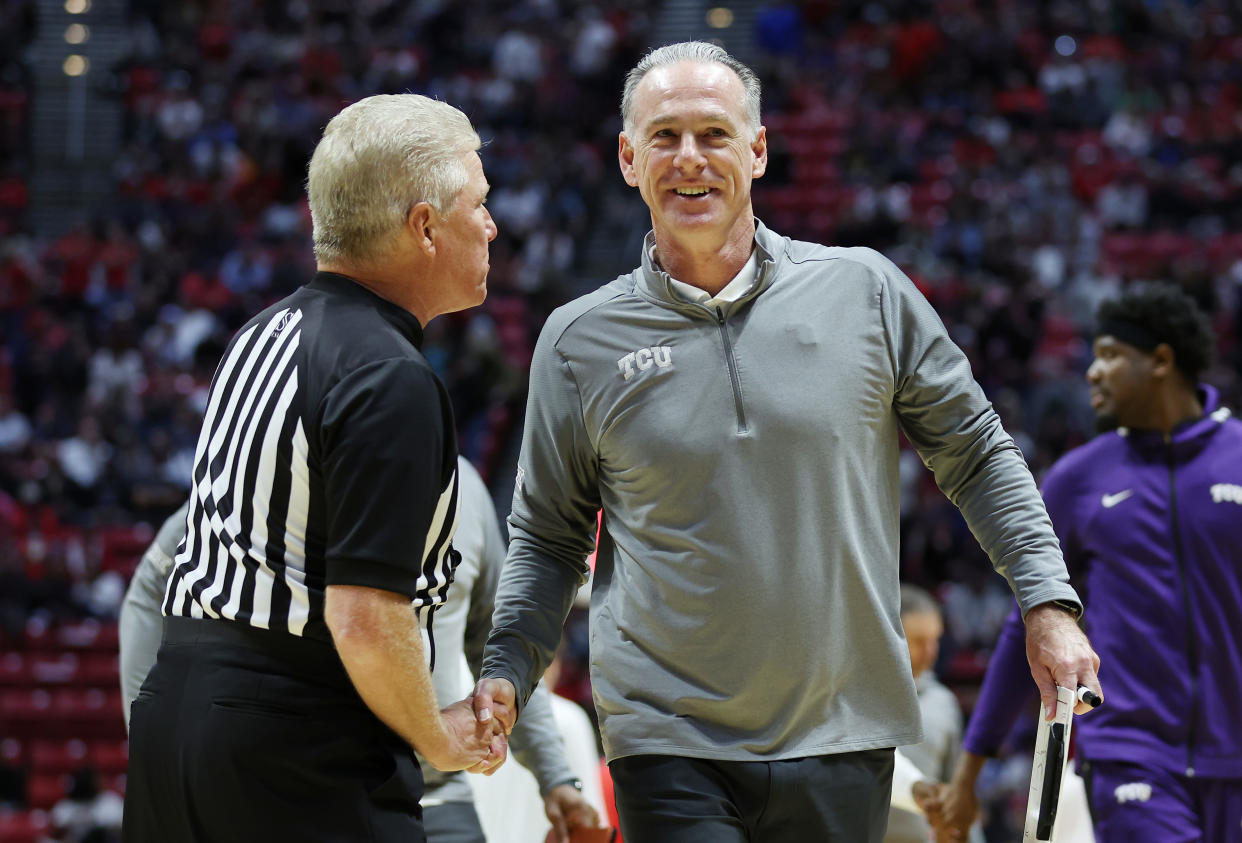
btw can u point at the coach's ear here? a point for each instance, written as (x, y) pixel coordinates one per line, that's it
(759, 148)
(625, 157)
(420, 224)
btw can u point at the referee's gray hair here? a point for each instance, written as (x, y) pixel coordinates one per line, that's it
(377, 159)
(696, 51)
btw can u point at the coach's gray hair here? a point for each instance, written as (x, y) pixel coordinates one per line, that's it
(697, 51)
(377, 159)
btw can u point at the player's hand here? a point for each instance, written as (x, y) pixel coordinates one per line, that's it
(465, 743)
(955, 810)
(930, 796)
(1060, 654)
(495, 698)
(567, 808)
(927, 796)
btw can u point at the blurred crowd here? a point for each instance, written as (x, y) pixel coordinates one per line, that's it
(1020, 160)
(110, 332)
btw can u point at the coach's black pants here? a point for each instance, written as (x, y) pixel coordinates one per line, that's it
(825, 798)
(241, 735)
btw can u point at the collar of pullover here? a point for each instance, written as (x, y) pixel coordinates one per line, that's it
(1189, 436)
(655, 284)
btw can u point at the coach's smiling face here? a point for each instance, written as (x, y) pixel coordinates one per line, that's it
(691, 157)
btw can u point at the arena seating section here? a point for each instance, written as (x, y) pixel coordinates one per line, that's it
(1020, 161)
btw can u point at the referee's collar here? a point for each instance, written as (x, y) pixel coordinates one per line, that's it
(402, 319)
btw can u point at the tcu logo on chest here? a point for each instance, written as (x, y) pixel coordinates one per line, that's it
(661, 357)
(1226, 492)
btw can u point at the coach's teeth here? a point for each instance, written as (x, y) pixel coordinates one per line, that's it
(691, 191)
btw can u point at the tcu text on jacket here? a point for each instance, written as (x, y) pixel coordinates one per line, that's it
(644, 359)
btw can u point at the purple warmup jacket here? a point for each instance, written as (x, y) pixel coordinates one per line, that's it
(1154, 531)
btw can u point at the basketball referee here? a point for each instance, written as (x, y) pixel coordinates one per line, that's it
(292, 684)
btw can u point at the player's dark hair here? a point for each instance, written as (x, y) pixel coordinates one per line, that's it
(1146, 315)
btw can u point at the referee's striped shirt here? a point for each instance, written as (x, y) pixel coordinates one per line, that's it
(327, 457)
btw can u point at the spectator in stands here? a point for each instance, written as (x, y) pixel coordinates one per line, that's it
(923, 624)
(14, 426)
(87, 813)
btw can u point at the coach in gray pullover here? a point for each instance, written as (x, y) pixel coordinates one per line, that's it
(733, 406)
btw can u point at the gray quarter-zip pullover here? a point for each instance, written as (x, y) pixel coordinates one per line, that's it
(746, 599)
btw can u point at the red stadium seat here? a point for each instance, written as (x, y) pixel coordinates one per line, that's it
(63, 756)
(12, 753)
(38, 635)
(1122, 250)
(122, 547)
(815, 172)
(24, 712)
(47, 668)
(817, 147)
(967, 666)
(24, 826)
(782, 220)
(88, 634)
(1224, 249)
(88, 713)
(818, 121)
(115, 783)
(777, 199)
(61, 713)
(14, 670)
(109, 757)
(44, 790)
(53, 668)
(926, 195)
(99, 669)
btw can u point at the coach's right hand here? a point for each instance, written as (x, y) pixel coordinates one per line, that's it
(495, 698)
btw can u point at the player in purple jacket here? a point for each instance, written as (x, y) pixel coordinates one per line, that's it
(1150, 520)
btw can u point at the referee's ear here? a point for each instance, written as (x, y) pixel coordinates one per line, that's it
(421, 224)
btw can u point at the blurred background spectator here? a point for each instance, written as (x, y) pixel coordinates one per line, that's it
(87, 814)
(1020, 160)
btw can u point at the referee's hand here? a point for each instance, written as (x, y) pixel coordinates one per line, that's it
(467, 744)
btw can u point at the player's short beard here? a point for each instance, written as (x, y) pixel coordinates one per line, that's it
(1104, 422)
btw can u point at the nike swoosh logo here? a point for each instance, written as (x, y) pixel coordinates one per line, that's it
(1110, 501)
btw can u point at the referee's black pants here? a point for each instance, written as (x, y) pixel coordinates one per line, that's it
(820, 799)
(241, 735)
